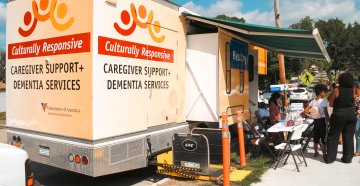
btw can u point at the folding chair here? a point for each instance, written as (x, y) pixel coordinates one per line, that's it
(307, 135)
(290, 148)
(257, 132)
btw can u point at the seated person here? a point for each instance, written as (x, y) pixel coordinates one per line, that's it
(274, 108)
(263, 114)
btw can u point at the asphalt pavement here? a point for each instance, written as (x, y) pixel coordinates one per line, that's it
(51, 176)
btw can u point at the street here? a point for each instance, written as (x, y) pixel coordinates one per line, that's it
(46, 175)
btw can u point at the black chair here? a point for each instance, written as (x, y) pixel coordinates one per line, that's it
(259, 134)
(307, 135)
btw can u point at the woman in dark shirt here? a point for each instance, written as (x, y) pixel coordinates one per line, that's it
(343, 119)
(274, 108)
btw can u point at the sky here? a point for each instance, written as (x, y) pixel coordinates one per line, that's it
(255, 11)
(291, 11)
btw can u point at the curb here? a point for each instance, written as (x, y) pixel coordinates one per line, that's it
(160, 182)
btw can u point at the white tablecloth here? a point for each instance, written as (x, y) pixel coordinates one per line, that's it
(281, 127)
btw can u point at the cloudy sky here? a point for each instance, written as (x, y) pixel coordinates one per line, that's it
(291, 11)
(256, 11)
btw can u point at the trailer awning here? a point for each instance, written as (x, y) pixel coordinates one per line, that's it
(289, 42)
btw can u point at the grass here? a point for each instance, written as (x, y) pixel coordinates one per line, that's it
(3, 116)
(257, 164)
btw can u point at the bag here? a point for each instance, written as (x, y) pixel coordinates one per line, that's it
(314, 112)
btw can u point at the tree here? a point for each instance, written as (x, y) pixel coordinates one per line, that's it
(335, 36)
(342, 43)
(293, 66)
(305, 23)
(353, 46)
(225, 17)
(3, 66)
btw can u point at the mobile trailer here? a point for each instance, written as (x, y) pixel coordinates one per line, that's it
(216, 83)
(95, 87)
(135, 72)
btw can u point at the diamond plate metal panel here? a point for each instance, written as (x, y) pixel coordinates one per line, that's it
(118, 153)
(136, 148)
(129, 155)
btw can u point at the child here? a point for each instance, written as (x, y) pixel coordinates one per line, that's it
(318, 111)
(305, 113)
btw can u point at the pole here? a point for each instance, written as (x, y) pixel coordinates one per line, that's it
(240, 127)
(280, 56)
(226, 149)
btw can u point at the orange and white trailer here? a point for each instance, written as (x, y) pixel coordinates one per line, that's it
(91, 84)
(96, 87)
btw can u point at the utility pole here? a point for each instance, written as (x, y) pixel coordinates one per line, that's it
(280, 56)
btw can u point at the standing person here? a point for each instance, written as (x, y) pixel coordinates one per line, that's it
(318, 111)
(343, 119)
(274, 108)
(330, 109)
(357, 131)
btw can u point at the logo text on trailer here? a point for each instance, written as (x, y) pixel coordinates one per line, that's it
(189, 145)
(141, 18)
(47, 12)
(44, 106)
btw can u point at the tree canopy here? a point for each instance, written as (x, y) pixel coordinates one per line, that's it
(224, 17)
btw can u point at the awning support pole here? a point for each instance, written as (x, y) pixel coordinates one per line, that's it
(280, 56)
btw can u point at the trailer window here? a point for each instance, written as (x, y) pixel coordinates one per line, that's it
(251, 68)
(228, 68)
(242, 76)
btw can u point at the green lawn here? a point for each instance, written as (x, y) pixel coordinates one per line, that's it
(258, 164)
(3, 116)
